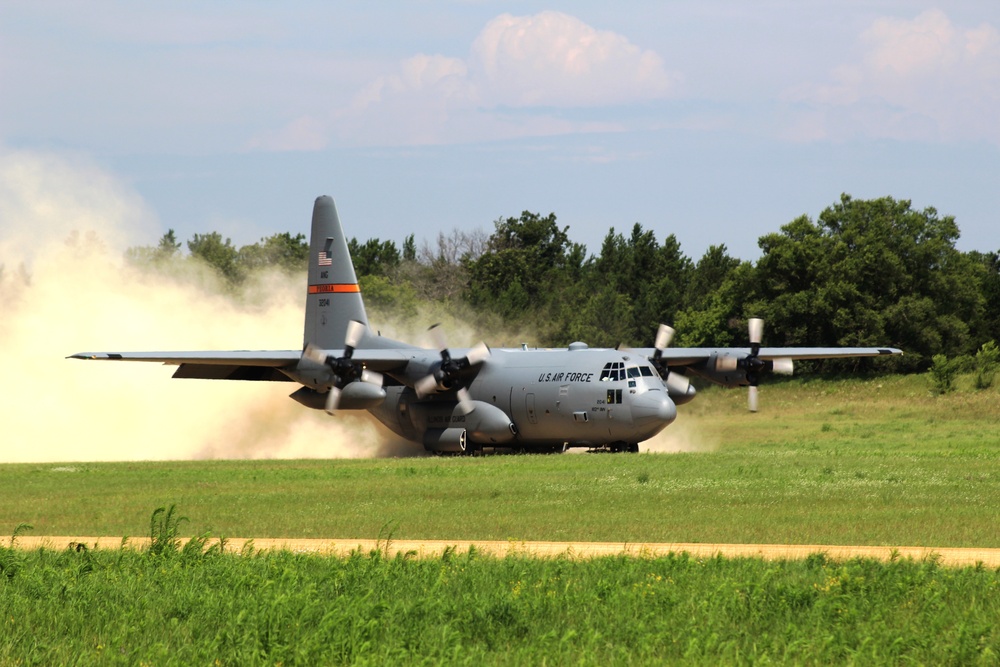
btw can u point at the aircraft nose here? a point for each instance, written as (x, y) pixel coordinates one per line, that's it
(653, 407)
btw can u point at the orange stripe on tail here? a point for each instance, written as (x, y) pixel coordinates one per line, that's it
(335, 288)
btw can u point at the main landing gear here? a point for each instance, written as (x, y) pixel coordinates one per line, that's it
(616, 448)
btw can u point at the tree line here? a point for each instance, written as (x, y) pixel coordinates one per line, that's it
(864, 273)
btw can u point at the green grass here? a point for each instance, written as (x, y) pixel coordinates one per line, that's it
(194, 606)
(843, 462)
(868, 462)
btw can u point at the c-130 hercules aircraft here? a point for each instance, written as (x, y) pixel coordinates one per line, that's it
(462, 401)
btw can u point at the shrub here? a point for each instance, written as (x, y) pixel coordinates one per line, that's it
(943, 374)
(987, 359)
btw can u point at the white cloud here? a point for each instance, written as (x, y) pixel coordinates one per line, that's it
(520, 72)
(914, 79)
(306, 133)
(552, 59)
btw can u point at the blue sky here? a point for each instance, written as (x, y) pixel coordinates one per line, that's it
(716, 121)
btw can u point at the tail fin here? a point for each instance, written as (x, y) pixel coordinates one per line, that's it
(333, 299)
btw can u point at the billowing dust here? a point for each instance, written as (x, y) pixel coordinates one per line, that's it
(65, 288)
(681, 436)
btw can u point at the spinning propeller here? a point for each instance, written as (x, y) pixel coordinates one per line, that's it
(753, 365)
(344, 369)
(676, 382)
(449, 372)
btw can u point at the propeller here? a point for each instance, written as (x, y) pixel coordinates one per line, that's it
(343, 368)
(676, 382)
(754, 365)
(448, 373)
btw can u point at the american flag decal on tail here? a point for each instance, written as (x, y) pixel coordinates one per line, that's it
(325, 259)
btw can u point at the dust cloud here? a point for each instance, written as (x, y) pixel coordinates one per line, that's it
(680, 436)
(64, 288)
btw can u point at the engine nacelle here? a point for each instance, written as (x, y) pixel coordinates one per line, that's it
(486, 424)
(723, 369)
(354, 396)
(445, 440)
(679, 395)
(489, 425)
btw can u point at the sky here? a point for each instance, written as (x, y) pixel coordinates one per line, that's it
(716, 121)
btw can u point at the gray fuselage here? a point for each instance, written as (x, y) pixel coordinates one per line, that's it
(583, 397)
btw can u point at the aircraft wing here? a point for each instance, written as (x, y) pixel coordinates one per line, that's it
(689, 356)
(260, 365)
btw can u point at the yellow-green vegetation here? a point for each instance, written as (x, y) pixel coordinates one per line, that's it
(862, 461)
(201, 606)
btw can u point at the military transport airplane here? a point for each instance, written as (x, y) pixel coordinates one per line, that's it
(461, 401)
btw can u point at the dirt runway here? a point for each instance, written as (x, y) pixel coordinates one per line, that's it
(951, 556)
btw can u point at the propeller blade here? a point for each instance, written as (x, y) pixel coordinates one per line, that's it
(726, 363)
(437, 335)
(664, 335)
(313, 353)
(756, 326)
(371, 377)
(332, 400)
(783, 366)
(478, 354)
(678, 383)
(465, 403)
(752, 398)
(425, 386)
(355, 330)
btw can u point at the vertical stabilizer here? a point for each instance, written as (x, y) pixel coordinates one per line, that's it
(333, 298)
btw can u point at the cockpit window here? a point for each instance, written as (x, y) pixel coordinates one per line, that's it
(613, 372)
(646, 371)
(633, 371)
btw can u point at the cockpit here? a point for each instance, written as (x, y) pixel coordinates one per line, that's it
(640, 378)
(617, 370)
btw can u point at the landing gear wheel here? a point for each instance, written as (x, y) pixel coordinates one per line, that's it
(632, 448)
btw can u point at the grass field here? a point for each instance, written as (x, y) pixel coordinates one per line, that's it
(279, 608)
(842, 462)
(868, 462)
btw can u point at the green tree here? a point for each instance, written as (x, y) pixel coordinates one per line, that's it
(220, 255)
(604, 320)
(527, 261)
(409, 249)
(374, 257)
(282, 251)
(389, 297)
(715, 318)
(869, 273)
(988, 328)
(987, 359)
(652, 276)
(711, 271)
(168, 249)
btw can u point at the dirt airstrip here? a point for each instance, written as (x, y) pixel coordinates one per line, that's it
(952, 556)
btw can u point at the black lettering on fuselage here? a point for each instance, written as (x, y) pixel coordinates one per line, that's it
(566, 377)
(446, 419)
